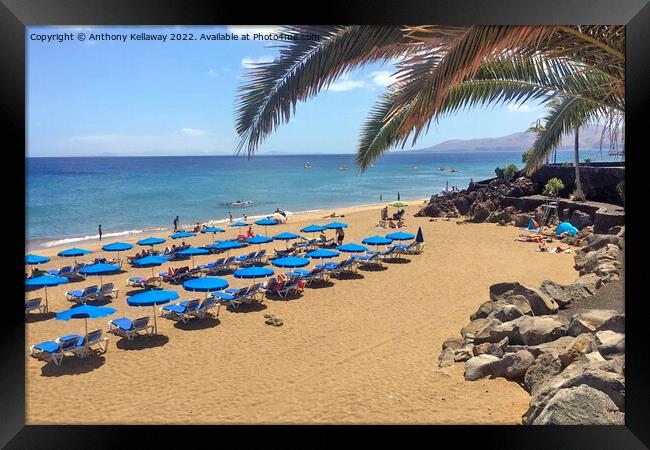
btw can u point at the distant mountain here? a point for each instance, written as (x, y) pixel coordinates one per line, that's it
(516, 142)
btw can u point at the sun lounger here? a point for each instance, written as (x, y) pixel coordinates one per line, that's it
(55, 350)
(179, 275)
(324, 243)
(205, 307)
(347, 266)
(86, 344)
(373, 259)
(108, 290)
(211, 265)
(236, 297)
(69, 272)
(246, 260)
(180, 311)
(145, 283)
(309, 276)
(415, 248)
(34, 304)
(292, 285)
(89, 293)
(129, 328)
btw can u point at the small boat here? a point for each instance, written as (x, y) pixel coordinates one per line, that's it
(414, 167)
(240, 203)
(343, 168)
(441, 168)
(308, 165)
(453, 170)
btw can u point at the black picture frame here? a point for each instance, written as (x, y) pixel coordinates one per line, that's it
(15, 15)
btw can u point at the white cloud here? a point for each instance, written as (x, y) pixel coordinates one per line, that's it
(383, 78)
(345, 83)
(193, 132)
(249, 62)
(212, 73)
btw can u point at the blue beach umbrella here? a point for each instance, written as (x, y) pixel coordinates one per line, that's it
(193, 251)
(73, 253)
(253, 272)
(312, 229)
(213, 230)
(290, 262)
(376, 240)
(182, 234)
(99, 269)
(152, 298)
(85, 312)
(352, 248)
(419, 237)
(266, 223)
(150, 261)
(44, 281)
(205, 284)
(286, 237)
(323, 253)
(32, 259)
(238, 224)
(259, 240)
(228, 245)
(117, 247)
(400, 236)
(151, 241)
(566, 227)
(336, 225)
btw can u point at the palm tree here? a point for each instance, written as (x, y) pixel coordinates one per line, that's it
(577, 71)
(578, 193)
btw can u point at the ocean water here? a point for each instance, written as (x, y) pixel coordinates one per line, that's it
(68, 197)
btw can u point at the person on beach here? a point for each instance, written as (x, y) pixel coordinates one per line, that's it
(250, 233)
(245, 217)
(391, 224)
(384, 213)
(322, 237)
(398, 196)
(380, 197)
(401, 224)
(100, 232)
(340, 235)
(176, 224)
(230, 216)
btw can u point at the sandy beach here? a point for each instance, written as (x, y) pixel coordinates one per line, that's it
(359, 350)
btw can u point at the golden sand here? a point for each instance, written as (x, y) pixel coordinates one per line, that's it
(361, 350)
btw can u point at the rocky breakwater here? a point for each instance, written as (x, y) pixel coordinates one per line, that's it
(569, 357)
(482, 202)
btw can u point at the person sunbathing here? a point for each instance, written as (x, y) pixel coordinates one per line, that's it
(401, 224)
(391, 224)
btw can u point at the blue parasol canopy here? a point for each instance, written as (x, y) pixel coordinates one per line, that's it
(205, 284)
(259, 239)
(85, 312)
(99, 269)
(286, 236)
(151, 298)
(323, 253)
(239, 224)
(182, 234)
(376, 240)
(335, 225)
(352, 248)
(45, 281)
(312, 229)
(150, 261)
(73, 252)
(566, 227)
(36, 259)
(290, 261)
(419, 237)
(151, 241)
(193, 251)
(227, 245)
(400, 236)
(253, 272)
(117, 247)
(266, 222)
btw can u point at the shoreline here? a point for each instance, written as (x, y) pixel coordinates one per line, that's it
(132, 235)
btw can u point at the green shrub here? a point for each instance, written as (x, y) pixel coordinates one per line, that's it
(587, 161)
(553, 187)
(620, 188)
(506, 173)
(525, 155)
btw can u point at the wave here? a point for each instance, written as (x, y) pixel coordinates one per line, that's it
(88, 238)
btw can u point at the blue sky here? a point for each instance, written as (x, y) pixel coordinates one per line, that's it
(96, 98)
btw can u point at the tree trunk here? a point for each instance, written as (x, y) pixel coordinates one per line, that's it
(578, 194)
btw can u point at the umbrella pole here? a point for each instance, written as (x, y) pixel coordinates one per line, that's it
(86, 323)
(47, 305)
(155, 324)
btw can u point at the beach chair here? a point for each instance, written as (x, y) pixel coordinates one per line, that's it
(130, 328)
(373, 259)
(236, 297)
(86, 344)
(415, 248)
(89, 293)
(205, 307)
(35, 304)
(246, 260)
(347, 266)
(180, 311)
(228, 263)
(175, 276)
(55, 350)
(207, 268)
(69, 272)
(260, 257)
(325, 243)
(61, 271)
(108, 290)
(292, 285)
(309, 276)
(145, 283)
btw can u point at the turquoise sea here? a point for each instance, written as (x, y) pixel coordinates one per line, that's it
(68, 197)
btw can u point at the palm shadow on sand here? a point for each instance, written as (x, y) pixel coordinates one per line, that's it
(247, 307)
(349, 276)
(321, 284)
(397, 260)
(142, 342)
(373, 268)
(71, 365)
(198, 324)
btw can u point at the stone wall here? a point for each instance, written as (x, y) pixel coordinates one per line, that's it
(599, 180)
